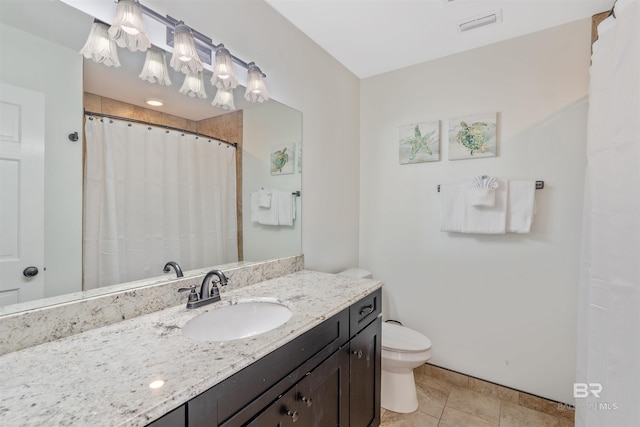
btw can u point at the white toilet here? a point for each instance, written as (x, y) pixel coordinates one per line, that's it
(403, 350)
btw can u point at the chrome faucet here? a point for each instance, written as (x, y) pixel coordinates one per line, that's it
(209, 291)
(175, 266)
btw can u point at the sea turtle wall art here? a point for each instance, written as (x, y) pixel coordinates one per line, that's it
(282, 159)
(420, 142)
(473, 136)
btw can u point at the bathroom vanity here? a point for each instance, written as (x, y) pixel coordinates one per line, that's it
(337, 363)
(322, 367)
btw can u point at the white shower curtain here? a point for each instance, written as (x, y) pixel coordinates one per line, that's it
(607, 386)
(153, 196)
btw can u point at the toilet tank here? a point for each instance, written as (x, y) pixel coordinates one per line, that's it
(357, 272)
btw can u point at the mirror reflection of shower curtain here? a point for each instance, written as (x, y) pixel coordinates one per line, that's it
(153, 196)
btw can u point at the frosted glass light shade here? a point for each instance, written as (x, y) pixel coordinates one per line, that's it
(127, 29)
(155, 68)
(223, 76)
(185, 56)
(224, 99)
(193, 85)
(99, 47)
(256, 89)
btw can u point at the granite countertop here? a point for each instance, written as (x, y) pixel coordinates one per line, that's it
(101, 377)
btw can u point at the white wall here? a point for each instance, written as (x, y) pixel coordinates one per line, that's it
(56, 71)
(501, 308)
(302, 75)
(269, 125)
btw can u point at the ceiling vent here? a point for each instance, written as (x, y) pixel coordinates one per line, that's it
(480, 20)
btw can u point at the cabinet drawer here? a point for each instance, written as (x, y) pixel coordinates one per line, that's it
(364, 312)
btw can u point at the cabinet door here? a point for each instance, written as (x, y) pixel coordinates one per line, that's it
(323, 395)
(365, 360)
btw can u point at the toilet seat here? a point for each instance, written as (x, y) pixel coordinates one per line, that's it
(403, 340)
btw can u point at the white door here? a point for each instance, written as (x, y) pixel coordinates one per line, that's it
(21, 194)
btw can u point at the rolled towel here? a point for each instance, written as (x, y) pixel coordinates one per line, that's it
(481, 191)
(264, 198)
(481, 197)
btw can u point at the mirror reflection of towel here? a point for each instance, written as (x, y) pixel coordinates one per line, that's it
(282, 210)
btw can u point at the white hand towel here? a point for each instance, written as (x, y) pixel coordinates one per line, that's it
(481, 191)
(521, 206)
(264, 198)
(253, 198)
(285, 206)
(265, 216)
(458, 215)
(452, 208)
(481, 197)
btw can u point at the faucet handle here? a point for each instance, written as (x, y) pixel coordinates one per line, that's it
(193, 295)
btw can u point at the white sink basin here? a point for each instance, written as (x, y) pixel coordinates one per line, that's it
(232, 322)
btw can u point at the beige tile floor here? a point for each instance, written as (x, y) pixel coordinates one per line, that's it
(448, 399)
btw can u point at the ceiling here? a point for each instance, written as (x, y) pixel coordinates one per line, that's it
(371, 37)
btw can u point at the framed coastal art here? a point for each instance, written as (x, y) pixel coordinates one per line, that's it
(472, 136)
(420, 142)
(282, 159)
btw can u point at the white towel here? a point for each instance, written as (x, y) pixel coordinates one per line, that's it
(264, 198)
(458, 215)
(481, 197)
(481, 191)
(521, 206)
(253, 198)
(285, 204)
(266, 216)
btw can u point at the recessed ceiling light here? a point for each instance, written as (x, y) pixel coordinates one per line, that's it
(154, 102)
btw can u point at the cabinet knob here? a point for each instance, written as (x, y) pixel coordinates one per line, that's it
(366, 310)
(357, 353)
(293, 415)
(306, 400)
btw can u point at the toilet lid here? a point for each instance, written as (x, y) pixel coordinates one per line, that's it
(399, 338)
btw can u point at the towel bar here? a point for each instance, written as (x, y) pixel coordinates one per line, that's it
(539, 185)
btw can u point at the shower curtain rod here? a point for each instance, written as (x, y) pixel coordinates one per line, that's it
(142, 122)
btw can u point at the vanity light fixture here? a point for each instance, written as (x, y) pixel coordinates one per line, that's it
(223, 76)
(185, 56)
(193, 85)
(127, 29)
(99, 47)
(190, 49)
(224, 99)
(155, 67)
(256, 90)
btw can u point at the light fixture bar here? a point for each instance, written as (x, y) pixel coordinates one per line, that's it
(201, 40)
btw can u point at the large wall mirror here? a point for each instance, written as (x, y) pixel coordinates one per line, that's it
(46, 88)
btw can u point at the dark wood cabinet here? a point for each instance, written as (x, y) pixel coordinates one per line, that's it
(322, 378)
(175, 418)
(317, 400)
(365, 365)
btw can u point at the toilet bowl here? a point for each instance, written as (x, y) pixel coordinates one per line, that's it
(403, 349)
